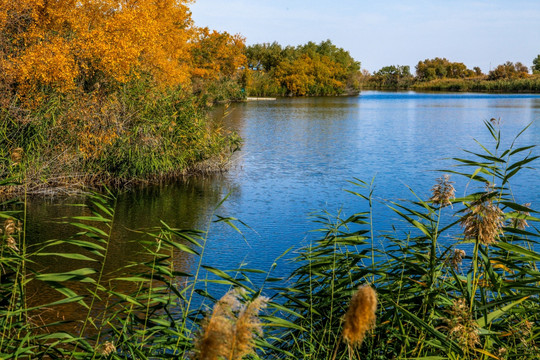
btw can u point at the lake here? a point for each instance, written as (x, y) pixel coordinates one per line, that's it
(297, 159)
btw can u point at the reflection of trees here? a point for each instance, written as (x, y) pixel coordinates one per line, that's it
(186, 206)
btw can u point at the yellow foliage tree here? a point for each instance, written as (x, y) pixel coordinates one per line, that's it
(60, 43)
(217, 53)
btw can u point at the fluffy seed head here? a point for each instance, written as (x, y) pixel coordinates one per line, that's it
(11, 243)
(228, 333)
(360, 316)
(247, 325)
(483, 221)
(521, 223)
(461, 325)
(217, 331)
(456, 258)
(107, 348)
(443, 191)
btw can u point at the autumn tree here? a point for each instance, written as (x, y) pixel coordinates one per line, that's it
(309, 69)
(508, 70)
(440, 68)
(106, 86)
(64, 43)
(216, 53)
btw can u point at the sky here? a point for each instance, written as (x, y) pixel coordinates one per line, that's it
(378, 33)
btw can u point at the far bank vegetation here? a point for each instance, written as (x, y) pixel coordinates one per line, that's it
(440, 74)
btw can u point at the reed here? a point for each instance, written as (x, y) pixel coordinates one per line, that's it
(137, 133)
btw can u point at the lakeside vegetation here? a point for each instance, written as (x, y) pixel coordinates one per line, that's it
(440, 74)
(461, 282)
(111, 94)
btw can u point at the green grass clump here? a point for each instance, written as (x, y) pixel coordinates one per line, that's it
(460, 282)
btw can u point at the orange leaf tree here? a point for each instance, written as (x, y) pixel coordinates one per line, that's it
(64, 43)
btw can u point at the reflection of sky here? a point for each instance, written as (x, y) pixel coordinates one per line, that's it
(300, 153)
(298, 157)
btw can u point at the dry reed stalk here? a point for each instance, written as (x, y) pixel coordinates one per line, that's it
(443, 191)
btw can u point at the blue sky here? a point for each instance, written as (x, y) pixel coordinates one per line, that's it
(388, 32)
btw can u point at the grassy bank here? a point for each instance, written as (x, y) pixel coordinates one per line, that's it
(68, 142)
(473, 295)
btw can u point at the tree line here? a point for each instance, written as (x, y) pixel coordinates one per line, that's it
(437, 70)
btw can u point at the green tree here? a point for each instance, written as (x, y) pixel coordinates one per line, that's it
(536, 65)
(392, 75)
(440, 68)
(478, 71)
(264, 56)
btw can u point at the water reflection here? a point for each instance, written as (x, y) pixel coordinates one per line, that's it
(188, 206)
(297, 158)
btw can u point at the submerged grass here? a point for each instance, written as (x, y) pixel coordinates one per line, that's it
(475, 297)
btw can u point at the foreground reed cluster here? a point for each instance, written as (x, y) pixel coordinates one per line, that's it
(460, 282)
(228, 332)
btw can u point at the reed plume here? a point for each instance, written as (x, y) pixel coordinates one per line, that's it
(228, 333)
(107, 348)
(217, 330)
(521, 223)
(483, 221)
(461, 325)
(247, 325)
(10, 229)
(456, 258)
(443, 191)
(17, 155)
(360, 316)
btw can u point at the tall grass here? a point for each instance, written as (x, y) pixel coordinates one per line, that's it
(134, 133)
(462, 282)
(526, 85)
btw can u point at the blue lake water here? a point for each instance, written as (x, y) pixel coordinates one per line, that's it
(300, 153)
(297, 158)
